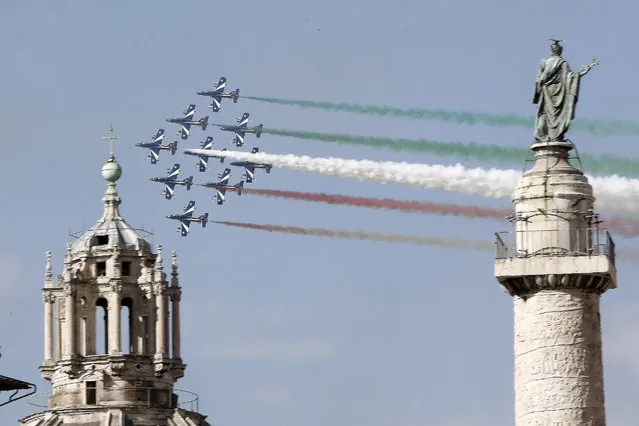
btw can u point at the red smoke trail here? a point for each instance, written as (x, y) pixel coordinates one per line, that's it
(387, 203)
(373, 236)
(622, 226)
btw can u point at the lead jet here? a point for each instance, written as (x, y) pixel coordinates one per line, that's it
(241, 129)
(156, 146)
(250, 167)
(186, 217)
(186, 121)
(171, 180)
(218, 93)
(222, 185)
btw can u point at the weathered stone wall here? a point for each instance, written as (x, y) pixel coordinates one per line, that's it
(558, 363)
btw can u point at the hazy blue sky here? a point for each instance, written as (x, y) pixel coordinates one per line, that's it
(292, 330)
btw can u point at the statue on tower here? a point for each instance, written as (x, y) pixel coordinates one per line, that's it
(556, 94)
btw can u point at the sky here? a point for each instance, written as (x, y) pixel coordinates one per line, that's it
(284, 329)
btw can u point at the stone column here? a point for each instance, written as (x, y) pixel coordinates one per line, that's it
(48, 328)
(114, 323)
(58, 332)
(70, 324)
(558, 361)
(161, 320)
(176, 325)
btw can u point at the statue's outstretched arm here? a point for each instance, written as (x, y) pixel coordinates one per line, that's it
(586, 68)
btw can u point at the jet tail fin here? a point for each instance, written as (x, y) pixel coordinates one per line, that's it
(240, 187)
(205, 122)
(222, 158)
(259, 131)
(205, 219)
(236, 96)
(173, 147)
(189, 182)
(268, 169)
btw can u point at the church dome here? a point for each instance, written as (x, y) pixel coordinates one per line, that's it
(111, 231)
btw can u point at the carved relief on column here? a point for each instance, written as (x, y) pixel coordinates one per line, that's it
(558, 359)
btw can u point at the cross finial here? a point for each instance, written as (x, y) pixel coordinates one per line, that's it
(110, 138)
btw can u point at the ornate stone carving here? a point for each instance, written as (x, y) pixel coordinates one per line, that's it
(117, 366)
(530, 284)
(80, 271)
(116, 286)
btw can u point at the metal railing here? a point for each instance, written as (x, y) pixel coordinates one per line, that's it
(191, 403)
(562, 242)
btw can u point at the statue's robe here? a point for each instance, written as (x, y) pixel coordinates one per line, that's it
(556, 93)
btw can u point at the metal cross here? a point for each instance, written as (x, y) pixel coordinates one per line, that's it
(110, 138)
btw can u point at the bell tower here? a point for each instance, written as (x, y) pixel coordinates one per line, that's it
(112, 328)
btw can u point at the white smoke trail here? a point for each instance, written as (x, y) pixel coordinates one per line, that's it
(489, 183)
(614, 193)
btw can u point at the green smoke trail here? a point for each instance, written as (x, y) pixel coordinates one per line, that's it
(484, 152)
(592, 126)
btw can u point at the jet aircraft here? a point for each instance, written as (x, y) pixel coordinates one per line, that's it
(171, 180)
(156, 146)
(222, 185)
(187, 120)
(186, 217)
(250, 167)
(218, 93)
(241, 129)
(203, 160)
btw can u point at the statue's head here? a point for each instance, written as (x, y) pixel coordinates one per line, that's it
(556, 48)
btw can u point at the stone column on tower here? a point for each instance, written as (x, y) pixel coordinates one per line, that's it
(69, 310)
(175, 308)
(555, 265)
(160, 300)
(114, 328)
(48, 312)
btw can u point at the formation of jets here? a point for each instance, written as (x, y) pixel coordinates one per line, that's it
(222, 185)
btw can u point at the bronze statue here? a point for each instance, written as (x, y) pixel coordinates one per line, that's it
(556, 93)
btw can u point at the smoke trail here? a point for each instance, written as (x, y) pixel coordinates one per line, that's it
(484, 152)
(592, 126)
(386, 203)
(621, 226)
(628, 254)
(373, 236)
(492, 183)
(614, 193)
